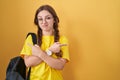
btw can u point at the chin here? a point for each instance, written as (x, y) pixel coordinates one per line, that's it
(46, 30)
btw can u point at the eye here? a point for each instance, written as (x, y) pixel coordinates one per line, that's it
(48, 18)
(40, 19)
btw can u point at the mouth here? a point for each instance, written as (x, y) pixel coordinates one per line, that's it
(45, 25)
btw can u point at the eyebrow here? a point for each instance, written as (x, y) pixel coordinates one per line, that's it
(45, 16)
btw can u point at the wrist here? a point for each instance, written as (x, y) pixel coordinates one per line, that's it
(40, 54)
(48, 52)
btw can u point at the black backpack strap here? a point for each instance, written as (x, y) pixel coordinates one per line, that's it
(34, 39)
(28, 75)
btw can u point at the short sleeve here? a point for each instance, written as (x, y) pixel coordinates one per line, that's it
(26, 50)
(65, 49)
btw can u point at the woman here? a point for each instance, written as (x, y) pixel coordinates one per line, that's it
(48, 57)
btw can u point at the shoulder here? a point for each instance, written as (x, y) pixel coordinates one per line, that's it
(63, 38)
(30, 35)
(28, 38)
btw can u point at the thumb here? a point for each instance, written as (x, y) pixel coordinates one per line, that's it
(36, 45)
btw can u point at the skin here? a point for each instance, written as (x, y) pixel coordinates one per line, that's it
(46, 21)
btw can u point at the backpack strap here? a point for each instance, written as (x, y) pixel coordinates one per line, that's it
(34, 39)
(28, 75)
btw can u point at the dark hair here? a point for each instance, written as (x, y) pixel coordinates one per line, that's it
(55, 25)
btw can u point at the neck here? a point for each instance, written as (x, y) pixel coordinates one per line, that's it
(47, 33)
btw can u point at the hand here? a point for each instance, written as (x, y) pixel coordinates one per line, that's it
(56, 47)
(36, 50)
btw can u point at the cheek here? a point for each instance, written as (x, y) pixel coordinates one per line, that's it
(52, 23)
(39, 24)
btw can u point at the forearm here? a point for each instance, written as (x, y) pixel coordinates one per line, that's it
(32, 60)
(53, 62)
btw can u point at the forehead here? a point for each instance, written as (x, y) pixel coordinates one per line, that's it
(44, 13)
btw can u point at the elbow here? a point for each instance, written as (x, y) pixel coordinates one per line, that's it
(27, 64)
(58, 67)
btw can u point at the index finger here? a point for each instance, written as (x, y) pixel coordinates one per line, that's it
(63, 45)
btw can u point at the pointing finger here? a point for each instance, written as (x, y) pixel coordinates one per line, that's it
(63, 45)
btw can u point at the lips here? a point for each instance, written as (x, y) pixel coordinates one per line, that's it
(45, 26)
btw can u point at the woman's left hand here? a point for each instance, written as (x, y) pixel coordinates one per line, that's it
(56, 47)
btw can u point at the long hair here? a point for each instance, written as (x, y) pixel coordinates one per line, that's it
(55, 25)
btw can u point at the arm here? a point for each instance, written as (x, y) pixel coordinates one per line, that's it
(53, 62)
(32, 60)
(57, 63)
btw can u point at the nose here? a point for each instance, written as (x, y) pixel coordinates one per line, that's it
(44, 21)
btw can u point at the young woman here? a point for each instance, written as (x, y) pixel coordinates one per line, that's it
(48, 57)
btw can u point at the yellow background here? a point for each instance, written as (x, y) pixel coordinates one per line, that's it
(92, 27)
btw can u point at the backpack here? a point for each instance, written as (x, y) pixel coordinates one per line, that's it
(16, 69)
